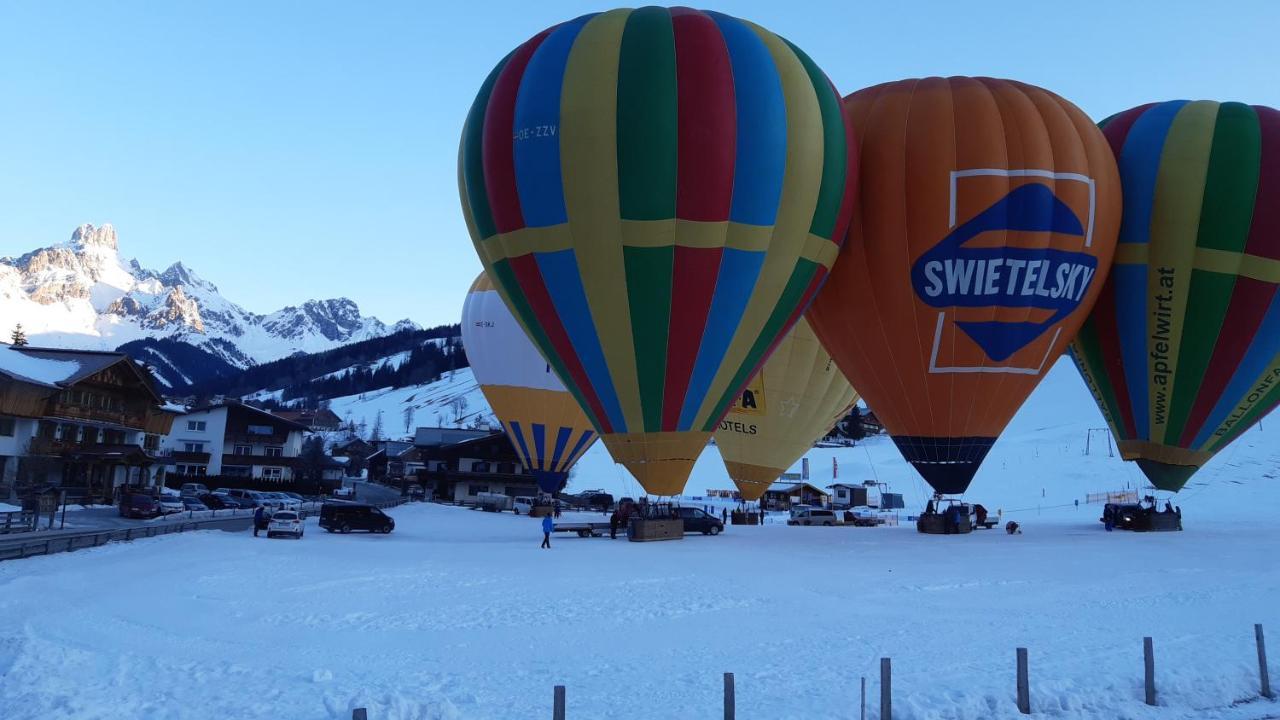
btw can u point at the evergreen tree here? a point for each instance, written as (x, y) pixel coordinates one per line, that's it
(376, 432)
(18, 338)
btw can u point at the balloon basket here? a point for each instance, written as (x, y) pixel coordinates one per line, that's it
(949, 517)
(1143, 516)
(738, 517)
(654, 529)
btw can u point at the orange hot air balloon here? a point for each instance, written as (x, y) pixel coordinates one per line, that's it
(985, 227)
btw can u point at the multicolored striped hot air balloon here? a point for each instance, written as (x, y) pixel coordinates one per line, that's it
(657, 194)
(986, 224)
(1182, 350)
(795, 399)
(543, 420)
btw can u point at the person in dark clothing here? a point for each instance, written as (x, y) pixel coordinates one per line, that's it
(547, 526)
(1012, 528)
(724, 515)
(259, 520)
(928, 508)
(557, 508)
(980, 512)
(953, 520)
(1168, 506)
(613, 526)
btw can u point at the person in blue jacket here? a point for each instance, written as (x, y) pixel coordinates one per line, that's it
(547, 526)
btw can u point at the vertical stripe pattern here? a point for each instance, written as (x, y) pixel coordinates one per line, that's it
(1182, 351)
(658, 194)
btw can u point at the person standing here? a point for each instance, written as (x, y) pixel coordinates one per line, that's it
(259, 519)
(613, 526)
(547, 526)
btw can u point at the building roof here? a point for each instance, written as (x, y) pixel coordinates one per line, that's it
(789, 487)
(61, 367)
(239, 406)
(323, 416)
(439, 437)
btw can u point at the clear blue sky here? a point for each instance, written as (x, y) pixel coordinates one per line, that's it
(294, 150)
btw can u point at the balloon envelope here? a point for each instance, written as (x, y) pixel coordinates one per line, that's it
(657, 194)
(1182, 350)
(542, 419)
(795, 399)
(986, 223)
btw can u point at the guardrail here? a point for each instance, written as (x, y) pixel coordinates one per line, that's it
(33, 544)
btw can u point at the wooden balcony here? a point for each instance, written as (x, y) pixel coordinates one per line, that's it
(80, 412)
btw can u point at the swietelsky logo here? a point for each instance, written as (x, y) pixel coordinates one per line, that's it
(1049, 282)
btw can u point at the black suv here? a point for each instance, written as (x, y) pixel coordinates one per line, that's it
(344, 517)
(695, 520)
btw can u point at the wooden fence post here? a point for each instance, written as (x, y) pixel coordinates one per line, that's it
(1149, 666)
(1024, 685)
(862, 706)
(730, 701)
(557, 708)
(886, 689)
(359, 714)
(1262, 662)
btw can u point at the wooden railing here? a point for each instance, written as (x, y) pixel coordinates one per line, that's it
(119, 417)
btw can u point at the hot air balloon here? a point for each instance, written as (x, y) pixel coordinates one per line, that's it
(795, 399)
(543, 420)
(1182, 350)
(986, 223)
(657, 195)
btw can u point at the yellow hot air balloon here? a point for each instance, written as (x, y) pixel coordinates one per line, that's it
(543, 420)
(795, 399)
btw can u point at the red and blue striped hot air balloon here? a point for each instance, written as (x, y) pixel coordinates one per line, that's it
(657, 194)
(1182, 350)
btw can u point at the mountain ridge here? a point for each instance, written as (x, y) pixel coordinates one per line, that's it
(82, 293)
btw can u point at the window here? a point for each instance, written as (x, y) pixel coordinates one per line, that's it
(192, 470)
(243, 450)
(261, 430)
(196, 425)
(272, 473)
(507, 468)
(235, 471)
(274, 451)
(479, 466)
(7, 425)
(151, 442)
(193, 447)
(477, 489)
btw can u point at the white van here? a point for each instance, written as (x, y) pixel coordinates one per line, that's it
(813, 516)
(522, 505)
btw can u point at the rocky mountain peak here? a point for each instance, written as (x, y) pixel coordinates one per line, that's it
(88, 236)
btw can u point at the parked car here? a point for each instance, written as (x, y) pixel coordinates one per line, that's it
(415, 492)
(813, 516)
(285, 522)
(170, 504)
(191, 503)
(249, 498)
(295, 496)
(139, 505)
(344, 517)
(193, 489)
(214, 501)
(345, 493)
(282, 500)
(522, 505)
(695, 520)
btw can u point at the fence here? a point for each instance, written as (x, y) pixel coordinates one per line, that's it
(1114, 496)
(17, 521)
(1021, 676)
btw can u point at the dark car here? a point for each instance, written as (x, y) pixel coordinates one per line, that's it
(217, 501)
(190, 503)
(695, 520)
(139, 505)
(344, 517)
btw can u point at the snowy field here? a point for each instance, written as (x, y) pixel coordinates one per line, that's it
(459, 614)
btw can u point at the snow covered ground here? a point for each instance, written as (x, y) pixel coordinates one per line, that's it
(458, 614)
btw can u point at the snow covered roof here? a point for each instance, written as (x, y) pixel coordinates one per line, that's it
(53, 366)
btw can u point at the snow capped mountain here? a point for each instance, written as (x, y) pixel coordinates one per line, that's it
(82, 293)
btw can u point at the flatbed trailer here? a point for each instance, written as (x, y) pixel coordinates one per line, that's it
(585, 529)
